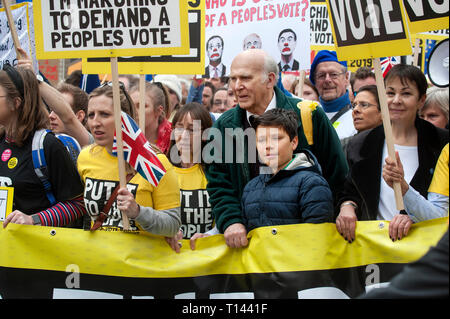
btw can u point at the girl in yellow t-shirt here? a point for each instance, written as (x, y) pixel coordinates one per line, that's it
(153, 209)
(185, 153)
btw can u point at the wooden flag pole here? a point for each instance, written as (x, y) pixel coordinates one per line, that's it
(118, 126)
(12, 27)
(387, 127)
(142, 103)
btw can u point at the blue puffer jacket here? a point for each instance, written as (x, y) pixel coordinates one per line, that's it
(296, 194)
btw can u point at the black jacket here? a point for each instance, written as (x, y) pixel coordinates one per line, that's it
(364, 152)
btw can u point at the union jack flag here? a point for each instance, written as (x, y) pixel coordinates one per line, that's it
(138, 152)
(387, 64)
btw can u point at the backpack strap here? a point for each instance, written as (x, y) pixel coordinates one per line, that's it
(39, 163)
(71, 144)
(306, 109)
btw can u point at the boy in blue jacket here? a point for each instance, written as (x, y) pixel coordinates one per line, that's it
(291, 189)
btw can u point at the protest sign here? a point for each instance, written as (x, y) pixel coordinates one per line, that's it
(192, 63)
(369, 28)
(6, 201)
(52, 262)
(280, 28)
(321, 32)
(50, 69)
(432, 35)
(426, 15)
(110, 28)
(22, 14)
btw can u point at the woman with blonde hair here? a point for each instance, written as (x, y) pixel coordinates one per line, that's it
(149, 208)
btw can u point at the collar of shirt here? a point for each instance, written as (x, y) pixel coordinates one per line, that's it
(290, 64)
(272, 105)
(219, 69)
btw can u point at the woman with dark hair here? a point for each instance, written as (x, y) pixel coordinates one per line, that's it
(157, 127)
(22, 115)
(366, 109)
(153, 209)
(189, 126)
(366, 196)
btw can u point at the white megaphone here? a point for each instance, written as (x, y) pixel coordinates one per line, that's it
(438, 64)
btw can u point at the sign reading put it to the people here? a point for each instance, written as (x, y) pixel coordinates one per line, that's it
(369, 28)
(110, 28)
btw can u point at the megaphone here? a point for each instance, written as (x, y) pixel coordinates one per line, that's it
(438, 64)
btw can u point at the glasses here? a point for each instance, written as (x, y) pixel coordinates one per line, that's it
(323, 76)
(363, 105)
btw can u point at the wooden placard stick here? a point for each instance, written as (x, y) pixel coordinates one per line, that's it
(387, 127)
(416, 52)
(118, 126)
(142, 102)
(301, 82)
(12, 27)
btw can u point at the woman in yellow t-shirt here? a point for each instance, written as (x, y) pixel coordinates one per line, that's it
(153, 209)
(185, 153)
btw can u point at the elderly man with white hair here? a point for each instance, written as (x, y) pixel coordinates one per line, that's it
(253, 78)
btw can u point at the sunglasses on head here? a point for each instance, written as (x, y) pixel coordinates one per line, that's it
(110, 83)
(122, 87)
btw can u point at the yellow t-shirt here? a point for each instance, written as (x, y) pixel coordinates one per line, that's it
(439, 183)
(100, 174)
(196, 214)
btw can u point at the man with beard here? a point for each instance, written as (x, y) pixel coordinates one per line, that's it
(287, 41)
(214, 49)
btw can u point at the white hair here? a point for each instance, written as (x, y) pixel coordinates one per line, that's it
(439, 97)
(270, 66)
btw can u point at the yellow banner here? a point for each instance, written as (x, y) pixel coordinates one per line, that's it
(287, 248)
(74, 29)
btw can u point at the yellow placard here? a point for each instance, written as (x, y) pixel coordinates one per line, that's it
(424, 15)
(74, 29)
(431, 35)
(6, 201)
(191, 63)
(369, 29)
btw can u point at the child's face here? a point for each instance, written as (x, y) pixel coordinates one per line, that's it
(274, 146)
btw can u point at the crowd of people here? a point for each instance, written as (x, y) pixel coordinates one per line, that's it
(311, 156)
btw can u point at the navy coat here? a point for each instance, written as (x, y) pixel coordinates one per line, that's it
(296, 194)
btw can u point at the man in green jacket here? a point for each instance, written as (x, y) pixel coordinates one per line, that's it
(253, 77)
